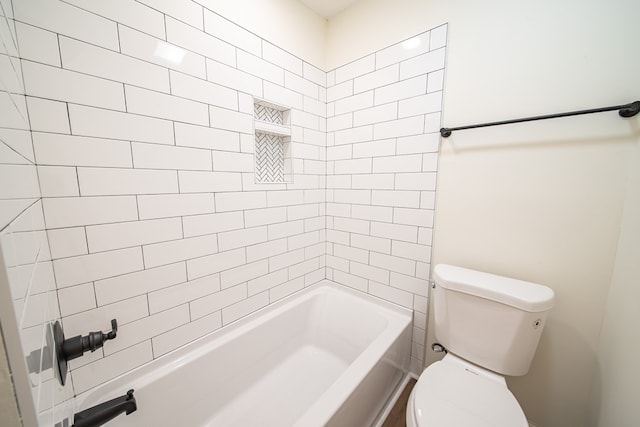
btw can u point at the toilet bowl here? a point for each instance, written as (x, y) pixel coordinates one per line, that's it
(490, 326)
(456, 393)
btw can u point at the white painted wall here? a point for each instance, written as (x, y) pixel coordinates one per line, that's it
(539, 202)
(288, 24)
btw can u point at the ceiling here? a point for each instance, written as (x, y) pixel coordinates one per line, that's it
(327, 8)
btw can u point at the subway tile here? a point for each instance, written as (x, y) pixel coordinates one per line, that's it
(378, 78)
(88, 121)
(202, 90)
(351, 253)
(215, 263)
(126, 234)
(23, 179)
(112, 181)
(428, 199)
(285, 229)
(409, 163)
(317, 223)
(399, 128)
(184, 10)
(353, 103)
(356, 68)
(342, 121)
(314, 74)
(298, 271)
(217, 301)
(303, 240)
(393, 263)
(435, 81)
(283, 96)
(352, 166)
(179, 250)
(340, 152)
(405, 233)
(224, 29)
(352, 196)
(18, 141)
(58, 181)
(361, 134)
(341, 237)
(244, 237)
(206, 182)
(243, 273)
(381, 113)
(339, 209)
(258, 217)
(156, 104)
(376, 274)
(313, 106)
(372, 213)
(162, 206)
(14, 113)
(283, 198)
(385, 147)
(301, 211)
(371, 243)
(432, 123)
(75, 211)
(68, 20)
(283, 58)
(401, 90)
(127, 12)
(316, 250)
(267, 281)
(416, 181)
(438, 37)
(240, 201)
(403, 50)
(260, 68)
(212, 223)
(244, 307)
(156, 156)
(300, 85)
(422, 64)
(306, 120)
(286, 259)
(131, 285)
(148, 327)
(419, 217)
(351, 225)
(205, 137)
(411, 251)
(339, 91)
(75, 299)
(156, 51)
(86, 268)
(56, 149)
(96, 61)
(54, 83)
(424, 104)
(424, 143)
(372, 181)
(66, 242)
(230, 120)
(425, 236)
(392, 294)
(405, 199)
(335, 263)
(182, 293)
(100, 371)
(409, 284)
(200, 42)
(350, 280)
(10, 70)
(37, 44)
(233, 162)
(229, 76)
(184, 334)
(266, 249)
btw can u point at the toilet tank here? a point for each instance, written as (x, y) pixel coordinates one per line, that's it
(492, 321)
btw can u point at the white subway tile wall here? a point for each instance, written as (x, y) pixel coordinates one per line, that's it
(383, 116)
(142, 120)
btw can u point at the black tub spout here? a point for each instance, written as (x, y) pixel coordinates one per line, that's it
(103, 412)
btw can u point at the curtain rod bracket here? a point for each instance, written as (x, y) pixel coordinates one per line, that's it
(630, 110)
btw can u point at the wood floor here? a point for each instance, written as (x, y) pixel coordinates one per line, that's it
(396, 417)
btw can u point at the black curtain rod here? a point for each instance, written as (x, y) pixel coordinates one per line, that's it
(626, 110)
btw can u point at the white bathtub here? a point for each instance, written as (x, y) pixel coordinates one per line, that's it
(324, 356)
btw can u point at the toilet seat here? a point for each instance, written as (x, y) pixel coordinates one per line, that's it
(456, 393)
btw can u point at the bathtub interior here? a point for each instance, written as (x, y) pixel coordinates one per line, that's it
(267, 369)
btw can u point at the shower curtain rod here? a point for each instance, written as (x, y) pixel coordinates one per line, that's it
(626, 110)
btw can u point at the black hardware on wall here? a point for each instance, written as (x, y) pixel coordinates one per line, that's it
(71, 348)
(104, 412)
(626, 110)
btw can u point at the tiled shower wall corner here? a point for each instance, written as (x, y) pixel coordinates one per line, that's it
(141, 115)
(383, 121)
(23, 238)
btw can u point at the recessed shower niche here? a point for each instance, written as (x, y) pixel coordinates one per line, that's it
(272, 124)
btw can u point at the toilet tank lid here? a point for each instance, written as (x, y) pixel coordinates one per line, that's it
(527, 296)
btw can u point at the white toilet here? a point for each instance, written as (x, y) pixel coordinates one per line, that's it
(490, 326)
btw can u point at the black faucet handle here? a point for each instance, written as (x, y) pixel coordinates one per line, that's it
(114, 330)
